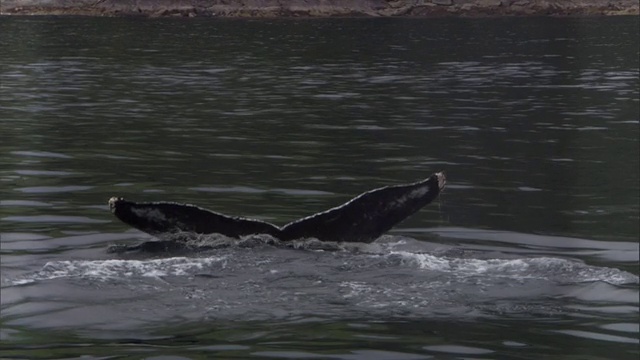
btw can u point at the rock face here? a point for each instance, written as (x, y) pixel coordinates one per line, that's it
(318, 8)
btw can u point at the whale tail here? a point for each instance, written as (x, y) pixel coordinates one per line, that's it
(158, 218)
(361, 219)
(369, 215)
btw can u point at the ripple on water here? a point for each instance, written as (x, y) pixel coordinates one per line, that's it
(43, 172)
(592, 335)
(53, 189)
(458, 349)
(622, 327)
(17, 237)
(45, 219)
(25, 203)
(48, 154)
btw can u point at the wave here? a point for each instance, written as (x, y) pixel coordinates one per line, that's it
(116, 268)
(547, 268)
(357, 257)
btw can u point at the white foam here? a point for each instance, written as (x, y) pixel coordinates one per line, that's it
(540, 268)
(109, 269)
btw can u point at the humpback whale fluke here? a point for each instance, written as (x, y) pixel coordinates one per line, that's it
(362, 219)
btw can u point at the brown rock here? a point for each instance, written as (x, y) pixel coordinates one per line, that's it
(489, 3)
(318, 8)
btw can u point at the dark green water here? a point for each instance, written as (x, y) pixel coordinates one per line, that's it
(531, 251)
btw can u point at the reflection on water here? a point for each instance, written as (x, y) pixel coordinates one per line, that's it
(534, 120)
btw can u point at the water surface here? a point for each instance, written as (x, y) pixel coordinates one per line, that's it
(531, 251)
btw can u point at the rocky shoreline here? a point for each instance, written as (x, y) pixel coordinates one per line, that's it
(319, 8)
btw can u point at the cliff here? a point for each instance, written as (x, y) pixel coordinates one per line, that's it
(318, 8)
